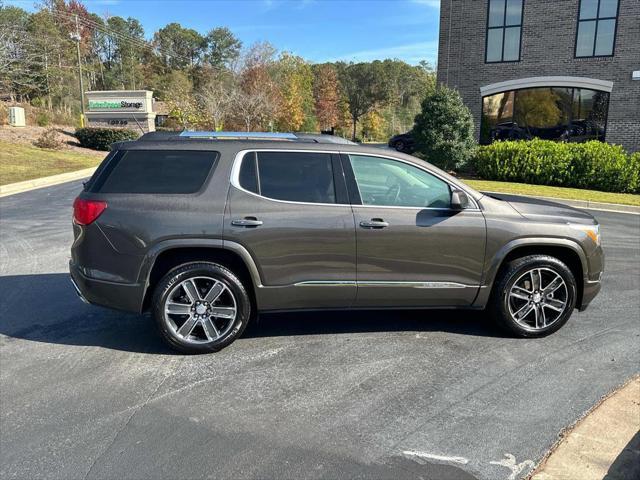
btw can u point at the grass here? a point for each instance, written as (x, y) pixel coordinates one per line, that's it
(557, 192)
(20, 162)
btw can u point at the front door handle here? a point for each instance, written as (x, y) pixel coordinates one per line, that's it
(246, 222)
(374, 223)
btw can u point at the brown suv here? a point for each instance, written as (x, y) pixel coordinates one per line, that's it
(207, 229)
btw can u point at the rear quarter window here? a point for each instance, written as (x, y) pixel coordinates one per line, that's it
(155, 171)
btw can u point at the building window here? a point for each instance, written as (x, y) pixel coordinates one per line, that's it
(504, 30)
(596, 34)
(551, 113)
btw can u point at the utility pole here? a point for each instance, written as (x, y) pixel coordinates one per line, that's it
(76, 36)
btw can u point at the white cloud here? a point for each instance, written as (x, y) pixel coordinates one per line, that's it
(411, 53)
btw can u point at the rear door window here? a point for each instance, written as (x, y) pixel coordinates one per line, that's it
(155, 171)
(291, 176)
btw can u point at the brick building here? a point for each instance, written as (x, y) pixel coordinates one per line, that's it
(555, 69)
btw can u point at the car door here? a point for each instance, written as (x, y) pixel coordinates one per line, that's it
(291, 211)
(413, 249)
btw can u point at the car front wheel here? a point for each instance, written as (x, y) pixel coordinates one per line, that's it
(534, 296)
(201, 307)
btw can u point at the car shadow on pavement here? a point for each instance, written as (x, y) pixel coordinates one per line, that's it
(45, 308)
(465, 322)
(627, 464)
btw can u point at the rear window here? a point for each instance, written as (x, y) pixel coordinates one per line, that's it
(155, 171)
(292, 176)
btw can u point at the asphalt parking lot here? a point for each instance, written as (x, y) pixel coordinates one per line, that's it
(91, 393)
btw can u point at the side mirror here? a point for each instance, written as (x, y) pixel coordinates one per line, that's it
(459, 200)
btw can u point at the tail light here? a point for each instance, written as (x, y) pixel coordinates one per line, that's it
(86, 211)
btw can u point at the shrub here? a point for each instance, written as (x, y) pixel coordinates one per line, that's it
(102, 138)
(43, 119)
(443, 130)
(4, 114)
(593, 164)
(49, 139)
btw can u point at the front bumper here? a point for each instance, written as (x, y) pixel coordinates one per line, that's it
(120, 296)
(589, 291)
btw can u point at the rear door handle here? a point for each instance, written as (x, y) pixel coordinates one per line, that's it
(374, 223)
(246, 222)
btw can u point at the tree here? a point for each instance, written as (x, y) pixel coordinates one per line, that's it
(326, 95)
(221, 47)
(443, 130)
(127, 53)
(256, 97)
(184, 109)
(365, 87)
(20, 59)
(372, 126)
(178, 46)
(408, 85)
(294, 79)
(216, 98)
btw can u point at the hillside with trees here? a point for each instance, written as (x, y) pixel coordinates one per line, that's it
(208, 80)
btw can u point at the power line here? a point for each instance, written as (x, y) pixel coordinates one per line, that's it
(92, 24)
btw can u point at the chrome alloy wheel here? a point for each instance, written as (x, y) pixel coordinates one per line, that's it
(538, 298)
(200, 310)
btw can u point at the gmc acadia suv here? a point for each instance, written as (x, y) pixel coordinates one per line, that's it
(207, 229)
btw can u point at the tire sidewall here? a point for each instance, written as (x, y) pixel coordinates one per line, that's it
(513, 273)
(201, 269)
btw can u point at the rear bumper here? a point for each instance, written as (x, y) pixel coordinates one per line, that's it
(120, 296)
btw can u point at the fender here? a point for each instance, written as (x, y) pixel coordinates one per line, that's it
(492, 265)
(164, 245)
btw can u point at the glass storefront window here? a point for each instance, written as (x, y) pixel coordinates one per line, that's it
(550, 113)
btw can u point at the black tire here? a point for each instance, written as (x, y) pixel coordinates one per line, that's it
(509, 274)
(209, 270)
(399, 146)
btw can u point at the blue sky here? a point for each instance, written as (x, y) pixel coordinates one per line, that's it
(318, 30)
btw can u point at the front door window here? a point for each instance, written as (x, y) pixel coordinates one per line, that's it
(391, 183)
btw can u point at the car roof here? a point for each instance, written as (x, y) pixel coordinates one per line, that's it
(188, 136)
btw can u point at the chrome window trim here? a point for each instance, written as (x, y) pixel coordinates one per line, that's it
(237, 162)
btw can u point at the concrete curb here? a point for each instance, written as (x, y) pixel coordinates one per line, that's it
(606, 207)
(602, 444)
(19, 187)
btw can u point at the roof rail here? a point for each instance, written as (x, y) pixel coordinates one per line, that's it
(241, 135)
(294, 137)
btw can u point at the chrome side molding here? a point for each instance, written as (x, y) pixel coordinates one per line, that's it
(351, 283)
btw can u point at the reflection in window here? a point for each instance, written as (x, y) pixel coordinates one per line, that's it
(551, 113)
(596, 28)
(504, 27)
(387, 182)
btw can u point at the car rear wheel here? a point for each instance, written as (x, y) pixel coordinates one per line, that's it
(534, 296)
(201, 307)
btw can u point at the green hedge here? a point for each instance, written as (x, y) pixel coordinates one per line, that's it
(593, 165)
(102, 138)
